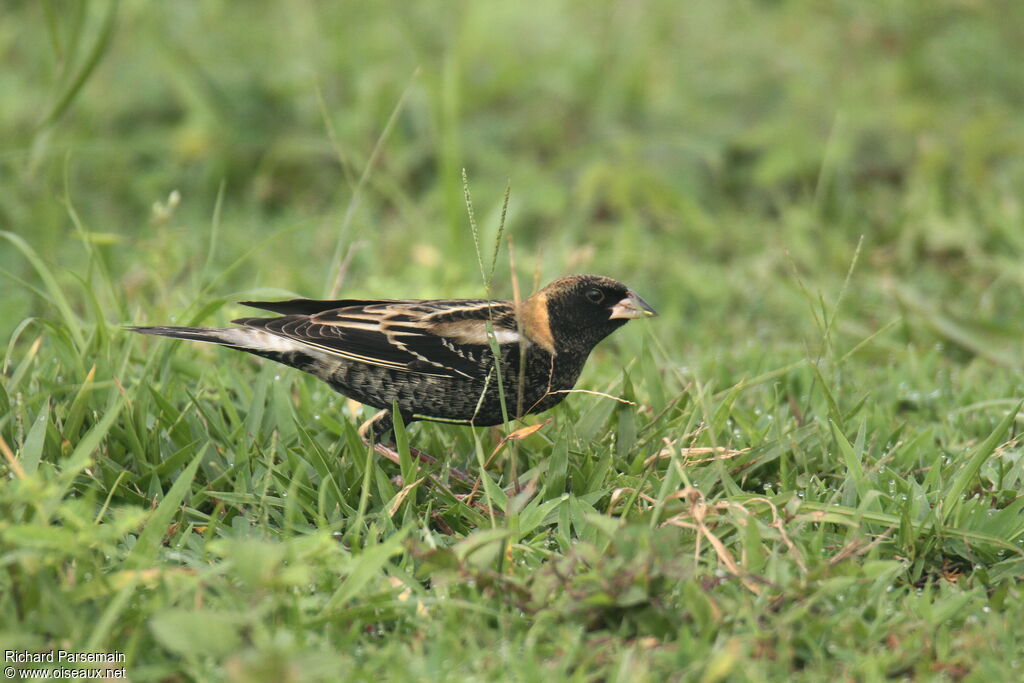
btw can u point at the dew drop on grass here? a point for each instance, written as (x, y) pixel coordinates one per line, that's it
(277, 377)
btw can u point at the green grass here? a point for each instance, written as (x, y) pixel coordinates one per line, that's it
(821, 477)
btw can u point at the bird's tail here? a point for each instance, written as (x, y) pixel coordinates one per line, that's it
(257, 342)
(245, 338)
(225, 337)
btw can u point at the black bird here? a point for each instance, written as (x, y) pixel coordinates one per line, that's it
(433, 358)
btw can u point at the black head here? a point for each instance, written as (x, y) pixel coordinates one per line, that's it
(584, 309)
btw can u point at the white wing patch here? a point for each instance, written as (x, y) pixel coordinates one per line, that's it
(248, 338)
(474, 333)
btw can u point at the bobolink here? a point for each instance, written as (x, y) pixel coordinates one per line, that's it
(433, 358)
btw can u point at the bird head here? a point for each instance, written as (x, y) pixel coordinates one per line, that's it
(575, 312)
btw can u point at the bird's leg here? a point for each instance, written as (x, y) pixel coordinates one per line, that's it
(374, 430)
(377, 428)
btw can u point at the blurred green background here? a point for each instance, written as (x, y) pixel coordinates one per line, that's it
(822, 200)
(701, 152)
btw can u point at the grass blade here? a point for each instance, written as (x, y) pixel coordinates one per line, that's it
(149, 541)
(951, 501)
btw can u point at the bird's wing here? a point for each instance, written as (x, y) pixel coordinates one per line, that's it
(446, 338)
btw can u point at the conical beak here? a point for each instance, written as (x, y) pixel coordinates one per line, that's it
(632, 307)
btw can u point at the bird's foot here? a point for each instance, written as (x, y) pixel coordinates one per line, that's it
(388, 452)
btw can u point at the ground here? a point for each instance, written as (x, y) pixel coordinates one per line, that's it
(807, 468)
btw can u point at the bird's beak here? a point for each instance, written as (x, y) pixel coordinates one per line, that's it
(632, 307)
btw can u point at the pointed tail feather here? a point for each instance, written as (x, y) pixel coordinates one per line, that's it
(200, 334)
(255, 341)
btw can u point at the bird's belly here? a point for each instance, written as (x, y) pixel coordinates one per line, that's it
(447, 399)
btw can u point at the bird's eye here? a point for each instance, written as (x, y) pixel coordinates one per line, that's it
(595, 295)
